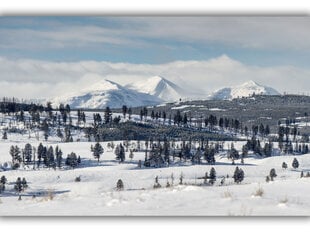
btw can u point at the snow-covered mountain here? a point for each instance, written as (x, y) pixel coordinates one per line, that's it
(159, 87)
(244, 90)
(106, 93)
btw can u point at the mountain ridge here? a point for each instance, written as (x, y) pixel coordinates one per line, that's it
(106, 93)
(244, 90)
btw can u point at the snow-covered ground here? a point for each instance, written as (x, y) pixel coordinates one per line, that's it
(57, 193)
(96, 195)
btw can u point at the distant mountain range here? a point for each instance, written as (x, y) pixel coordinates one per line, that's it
(245, 90)
(152, 91)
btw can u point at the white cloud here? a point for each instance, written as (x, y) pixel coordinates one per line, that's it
(43, 79)
(269, 33)
(261, 32)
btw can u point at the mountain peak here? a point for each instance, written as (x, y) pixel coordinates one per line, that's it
(102, 85)
(250, 83)
(244, 90)
(160, 87)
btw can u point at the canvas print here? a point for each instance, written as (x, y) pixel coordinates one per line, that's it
(154, 116)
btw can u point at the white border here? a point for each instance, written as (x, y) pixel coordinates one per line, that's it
(133, 7)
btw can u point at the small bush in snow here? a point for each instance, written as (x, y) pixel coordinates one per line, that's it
(227, 194)
(157, 184)
(284, 165)
(140, 164)
(259, 192)
(181, 178)
(168, 184)
(284, 200)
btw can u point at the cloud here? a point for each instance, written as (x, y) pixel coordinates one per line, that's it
(258, 33)
(26, 78)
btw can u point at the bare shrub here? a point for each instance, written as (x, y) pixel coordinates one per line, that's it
(227, 194)
(284, 200)
(49, 195)
(259, 192)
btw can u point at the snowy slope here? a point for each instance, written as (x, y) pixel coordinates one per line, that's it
(96, 194)
(106, 93)
(55, 192)
(244, 90)
(159, 87)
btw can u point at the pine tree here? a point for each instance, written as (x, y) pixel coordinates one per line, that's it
(5, 135)
(97, 151)
(24, 184)
(284, 165)
(58, 154)
(119, 185)
(295, 163)
(20, 185)
(107, 115)
(72, 160)
(238, 175)
(125, 109)
(40, 153)
(28, 153)
(272, 174)
(212, 176)
(120, 153)
(3, 181)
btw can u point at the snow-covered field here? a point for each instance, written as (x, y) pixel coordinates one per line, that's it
(58, 194)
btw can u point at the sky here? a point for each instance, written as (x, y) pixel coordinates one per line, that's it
(42, 57)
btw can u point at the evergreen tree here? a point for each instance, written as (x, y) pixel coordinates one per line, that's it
(16, 158)
(5, 135)
(119, 185)
(272, 174)
(238, 175)
(120, 153)
(212, 176)
(295, 163)
(40, 153)
(3, 181)
(97, 151)
(72, 160)
(20, 185)
(27, 153)
(58, 154)
(125, 109)
(107, 115)
(129, 113)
